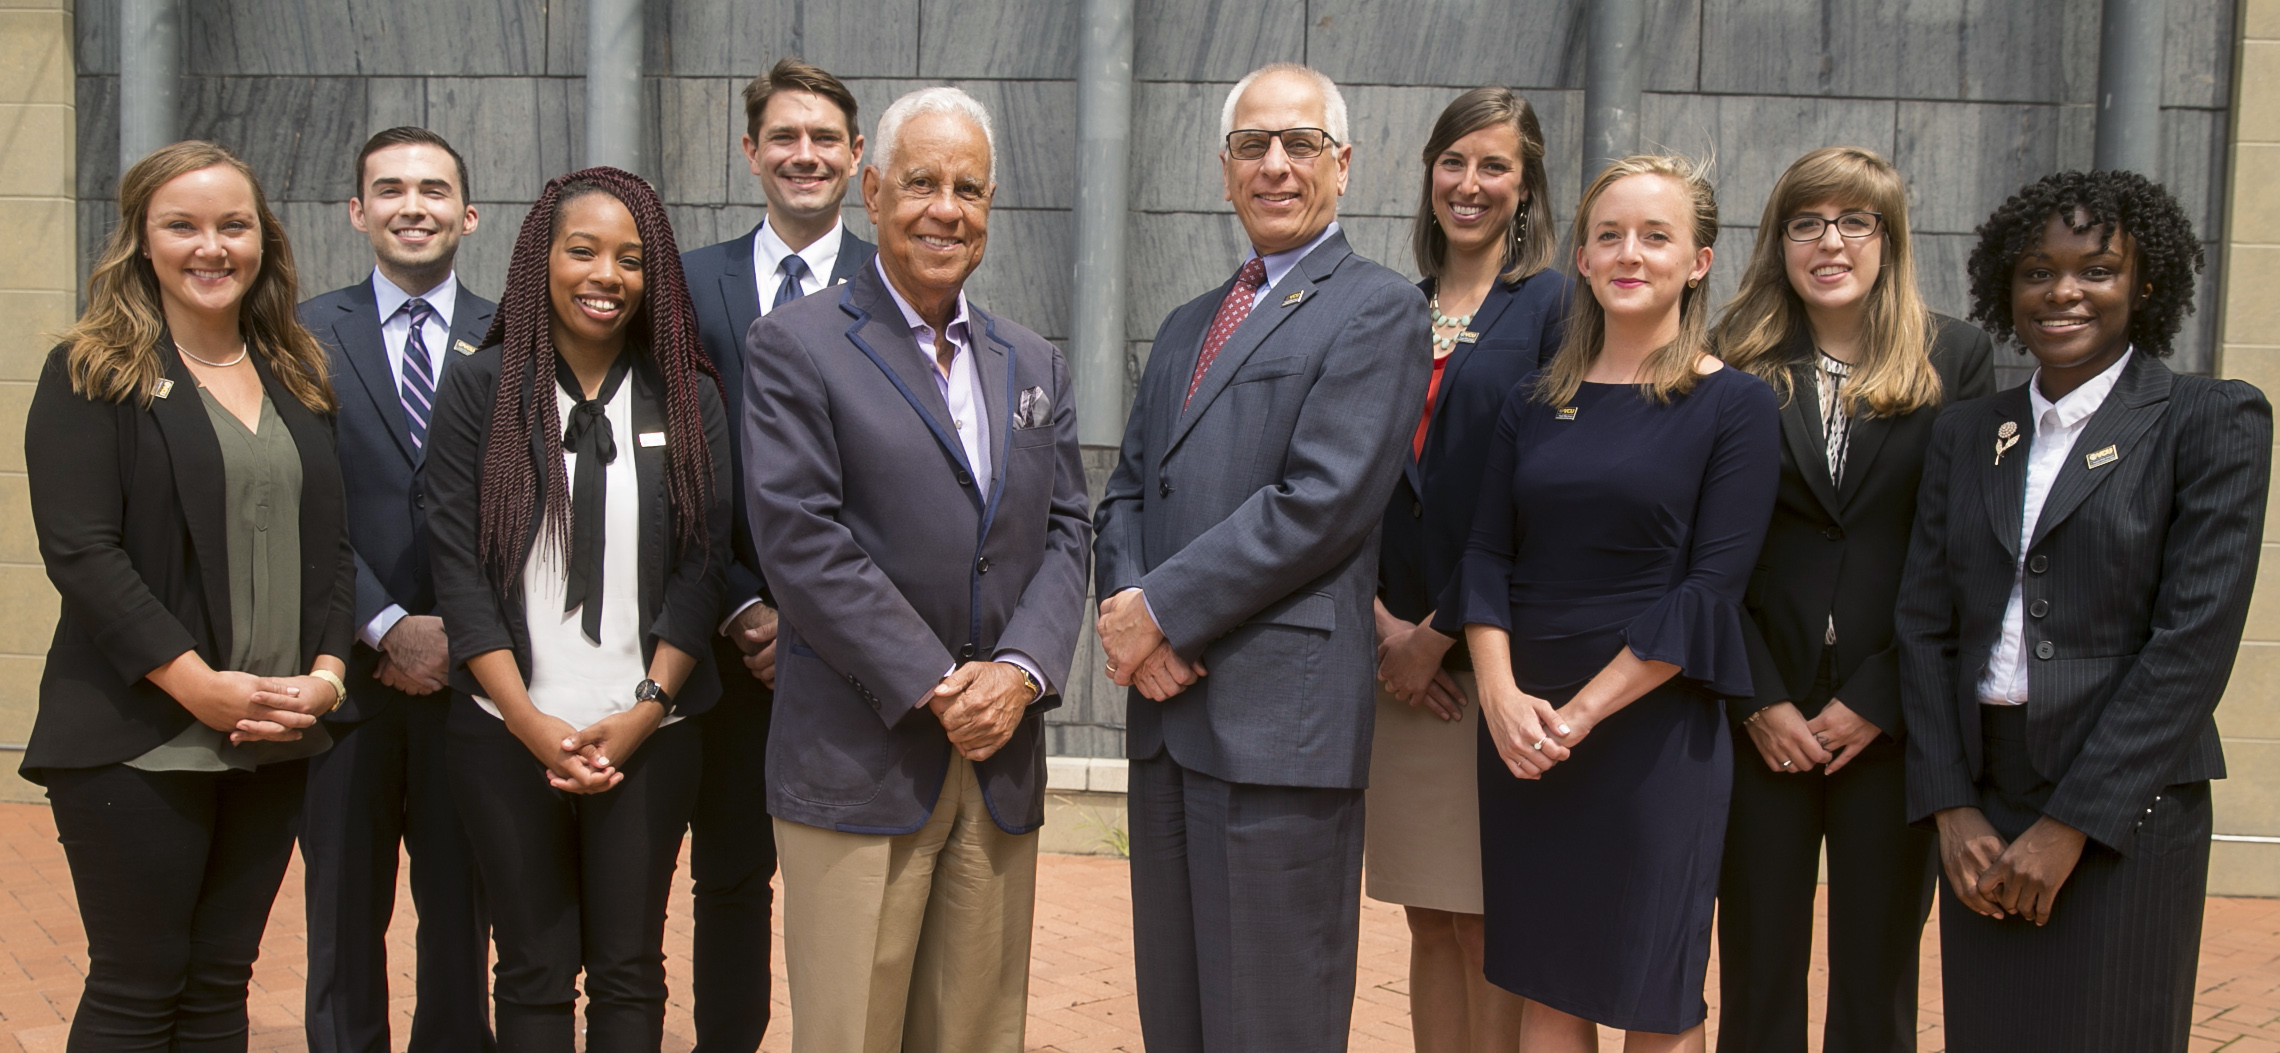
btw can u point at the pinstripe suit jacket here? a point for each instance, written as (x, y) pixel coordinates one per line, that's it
(2136, 590)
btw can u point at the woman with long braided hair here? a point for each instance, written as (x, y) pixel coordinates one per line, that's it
(579, 529)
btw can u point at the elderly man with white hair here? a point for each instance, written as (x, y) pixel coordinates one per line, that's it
(1238, 561)
(918, 505)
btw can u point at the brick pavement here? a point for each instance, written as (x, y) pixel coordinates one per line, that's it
(1080, 998)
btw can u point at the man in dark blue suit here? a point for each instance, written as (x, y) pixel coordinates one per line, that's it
(391, 337)
(802, 141)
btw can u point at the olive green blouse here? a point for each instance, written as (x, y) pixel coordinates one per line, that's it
(261, 480)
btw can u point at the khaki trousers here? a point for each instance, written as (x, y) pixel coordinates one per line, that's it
(914, 942)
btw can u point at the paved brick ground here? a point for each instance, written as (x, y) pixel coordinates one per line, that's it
(1080, 998)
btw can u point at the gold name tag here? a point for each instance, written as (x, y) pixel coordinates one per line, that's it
(1468, 337)
(1293, 298)
(652, 438)
(2101, 457)
(463, 347)
(165, 388)
(1565, 413)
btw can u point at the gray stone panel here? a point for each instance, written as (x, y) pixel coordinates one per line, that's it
(2193, 165)
(1036, 126)
(686, 138)
(1214, 40)
(1034, 39)
(1751, 140)
(1461, 43)
(1383, 239)
(368, 37)
(1175, 147)
(1908, 49)
(391, 102)
(484, 255)
(1940, 275)
(95, 37)
(1176, 257)
(851, 38)
(2198, 60)
(327, 252)
(695, 226)
(300, 134)
(96, 116)
(1025, 272)
(498, 126)
(1962, 159)
(2027, 51)
(559, 134)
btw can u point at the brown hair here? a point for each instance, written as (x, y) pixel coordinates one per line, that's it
(1895, 374)
(664, 328)
(792, 74)
(114, 346)
(409, 135)
(1528, 242)
(1670, 368)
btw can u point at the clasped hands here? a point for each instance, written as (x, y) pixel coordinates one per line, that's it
(979, 705)
(2019, 879)
(1791, 744)
(259, 708)
(1531, 734)
(586, 760)
(1138, 654)
(1409, 665)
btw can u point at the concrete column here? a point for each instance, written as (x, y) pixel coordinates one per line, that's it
(613, 84)
(2129, 86)
(1613, 72)
(150, 77)
(1104, 144)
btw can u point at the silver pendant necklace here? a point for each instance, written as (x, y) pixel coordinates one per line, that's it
(242, 349)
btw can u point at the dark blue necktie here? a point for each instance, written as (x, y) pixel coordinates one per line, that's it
(419, 373)
(795, 272)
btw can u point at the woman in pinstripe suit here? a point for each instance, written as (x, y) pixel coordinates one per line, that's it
(2084, 550)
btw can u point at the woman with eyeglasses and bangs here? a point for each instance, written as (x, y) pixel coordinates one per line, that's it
(1828, 313)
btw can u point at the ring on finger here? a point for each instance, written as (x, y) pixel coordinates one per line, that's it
(1539, 746)
(1785, 764)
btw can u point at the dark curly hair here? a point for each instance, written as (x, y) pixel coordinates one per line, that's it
(2168, 255)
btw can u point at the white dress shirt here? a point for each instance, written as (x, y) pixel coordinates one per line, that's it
(2057, 425)
(395, 335)
(571, 677)
(769, 250)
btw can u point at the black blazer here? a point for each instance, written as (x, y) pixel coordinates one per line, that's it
(1841, 549)
(387, 491)
(726, 295)
(483, 611)
(1427, 520)
(2136, 590)
(131, 525)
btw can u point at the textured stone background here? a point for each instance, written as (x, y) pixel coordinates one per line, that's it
(1970, 97)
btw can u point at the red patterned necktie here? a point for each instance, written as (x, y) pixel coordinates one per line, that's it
(1232, 311)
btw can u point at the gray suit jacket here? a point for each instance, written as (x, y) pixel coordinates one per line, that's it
(1250, 519)
(891, 562)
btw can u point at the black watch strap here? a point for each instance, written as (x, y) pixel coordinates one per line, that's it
(651, 691)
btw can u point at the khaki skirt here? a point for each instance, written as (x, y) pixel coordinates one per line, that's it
(1422, 846)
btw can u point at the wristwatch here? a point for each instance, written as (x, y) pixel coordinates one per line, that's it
(1036, 690)
(340, 690)
(650, 691)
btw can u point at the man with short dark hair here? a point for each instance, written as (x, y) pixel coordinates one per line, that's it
(390, 338)
(802, 142)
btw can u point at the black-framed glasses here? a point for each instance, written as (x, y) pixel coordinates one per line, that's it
(1299, 144)
(1850, 225)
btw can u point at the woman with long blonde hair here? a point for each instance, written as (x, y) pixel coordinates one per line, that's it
(1828, 313)
(1623, 503)
(189, 508)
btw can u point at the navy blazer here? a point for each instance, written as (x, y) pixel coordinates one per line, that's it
(726, 295)
(1519, 326)
(892, 562)
(385, 475)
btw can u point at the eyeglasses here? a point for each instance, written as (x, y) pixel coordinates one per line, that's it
(1850, 225)
(1299, 144)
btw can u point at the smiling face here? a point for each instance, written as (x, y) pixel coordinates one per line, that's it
(932, 208)
(1283, 203)
(1638, 251)
(412, 209)
(1833, 272)
(594, 273)
(202, 236)
(803, 155)
(2071, 297)
(1477, 188)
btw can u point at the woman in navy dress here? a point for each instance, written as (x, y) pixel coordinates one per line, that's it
(1625, 499)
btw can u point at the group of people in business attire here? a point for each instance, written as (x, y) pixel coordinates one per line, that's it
(1579, 610)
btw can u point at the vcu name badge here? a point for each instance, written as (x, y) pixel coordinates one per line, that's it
(2100, 458)
(463, 347)
(1293, 298)
(1565, 413)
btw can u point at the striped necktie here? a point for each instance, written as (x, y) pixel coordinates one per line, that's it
(419, 373)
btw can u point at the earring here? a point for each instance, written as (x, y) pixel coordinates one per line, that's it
(1692, 282)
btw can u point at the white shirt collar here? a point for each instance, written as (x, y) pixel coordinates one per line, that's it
(390, 297)
(769, 250)
(2077, 405)
(1280, 263)
(959, 327)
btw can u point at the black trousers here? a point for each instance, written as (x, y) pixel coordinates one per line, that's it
(574, 881)
(1246, 912)
(2113, 971)
(732, 857)
(175, 873)
(382, 782)
(1880, 892)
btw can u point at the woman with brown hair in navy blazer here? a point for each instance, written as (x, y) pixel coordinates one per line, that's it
(1483, 237)
(1828, 313)
(189, 508)
(2085, 548)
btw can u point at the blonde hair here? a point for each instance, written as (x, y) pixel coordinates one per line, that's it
(1895, 374)
(1528, 240)
(113, 348)
(1670, 369)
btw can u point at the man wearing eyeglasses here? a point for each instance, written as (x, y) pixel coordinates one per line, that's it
(1237, 559)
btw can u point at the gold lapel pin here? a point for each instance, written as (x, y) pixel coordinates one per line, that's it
(1468, 337)
(1293, 298)
(1565, 413)
(164, 389)
(2101, 458)
(463, 347)
(2006, 437)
